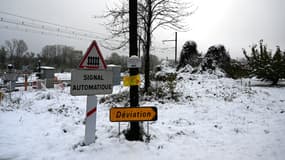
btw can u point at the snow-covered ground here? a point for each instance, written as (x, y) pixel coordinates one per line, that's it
(215, 118)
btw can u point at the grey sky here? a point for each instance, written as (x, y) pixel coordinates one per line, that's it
(234, 23)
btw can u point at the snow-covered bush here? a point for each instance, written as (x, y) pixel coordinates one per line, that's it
(264, 65)
(119, 98)
(164, 82)
(189, 55)
(187, 69)
(165, 72)
(216, 57)
(237, 69)
(164, 90)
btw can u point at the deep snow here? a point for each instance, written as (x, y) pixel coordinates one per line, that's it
(216, 118)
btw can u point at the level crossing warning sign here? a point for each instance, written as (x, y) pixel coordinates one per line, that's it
(93, 58)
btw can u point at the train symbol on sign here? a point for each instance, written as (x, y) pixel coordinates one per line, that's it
(93, 61)
(93, 58)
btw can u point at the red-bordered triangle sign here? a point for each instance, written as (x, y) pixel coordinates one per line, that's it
(93, 58)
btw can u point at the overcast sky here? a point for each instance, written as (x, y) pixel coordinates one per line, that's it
(234, 23)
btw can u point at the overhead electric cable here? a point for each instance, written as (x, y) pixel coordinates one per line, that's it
(50, 23)
(45, 28)
(29, 30)
(31, 25)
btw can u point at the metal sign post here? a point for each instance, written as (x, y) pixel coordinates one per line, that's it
(90, 128)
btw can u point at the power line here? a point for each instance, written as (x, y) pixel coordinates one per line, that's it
(57, 34)
(45, 28)
(31, 25)
(29, 30)
(46, 33)
(50, 23)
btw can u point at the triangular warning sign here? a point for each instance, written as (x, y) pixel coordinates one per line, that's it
(93, 58)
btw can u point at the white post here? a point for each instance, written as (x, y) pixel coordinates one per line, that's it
(90, 125)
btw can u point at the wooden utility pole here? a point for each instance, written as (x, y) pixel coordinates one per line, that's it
(135, 131)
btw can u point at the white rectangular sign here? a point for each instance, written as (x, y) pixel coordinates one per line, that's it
(134, 62)
(91, 82)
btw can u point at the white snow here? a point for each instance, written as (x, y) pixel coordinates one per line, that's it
(32, 77)
(47, 68)
(63, 76)
(216, 118)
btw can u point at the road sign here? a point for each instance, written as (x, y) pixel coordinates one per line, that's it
(93, 58)
(133, 114)
(132, 80)
(91, 82)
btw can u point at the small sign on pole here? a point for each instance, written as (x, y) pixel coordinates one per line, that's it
(134, 62)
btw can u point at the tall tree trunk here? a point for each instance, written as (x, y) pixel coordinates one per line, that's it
(147, 46)
(147, 65)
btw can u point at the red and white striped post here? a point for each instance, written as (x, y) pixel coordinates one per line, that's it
(90, 125)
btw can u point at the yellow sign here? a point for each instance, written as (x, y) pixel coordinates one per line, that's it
(132, 80)
(133, 114)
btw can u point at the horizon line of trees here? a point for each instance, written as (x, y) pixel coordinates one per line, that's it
(16, 52)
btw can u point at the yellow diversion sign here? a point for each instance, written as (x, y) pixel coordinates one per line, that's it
(132, 80)
(133, 114)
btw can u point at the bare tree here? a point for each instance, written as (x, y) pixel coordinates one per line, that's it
(11, 48)
(116, 59)
(3, 56)
(16, 49)
(152, 14)
(21, 48)
(59, 56)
